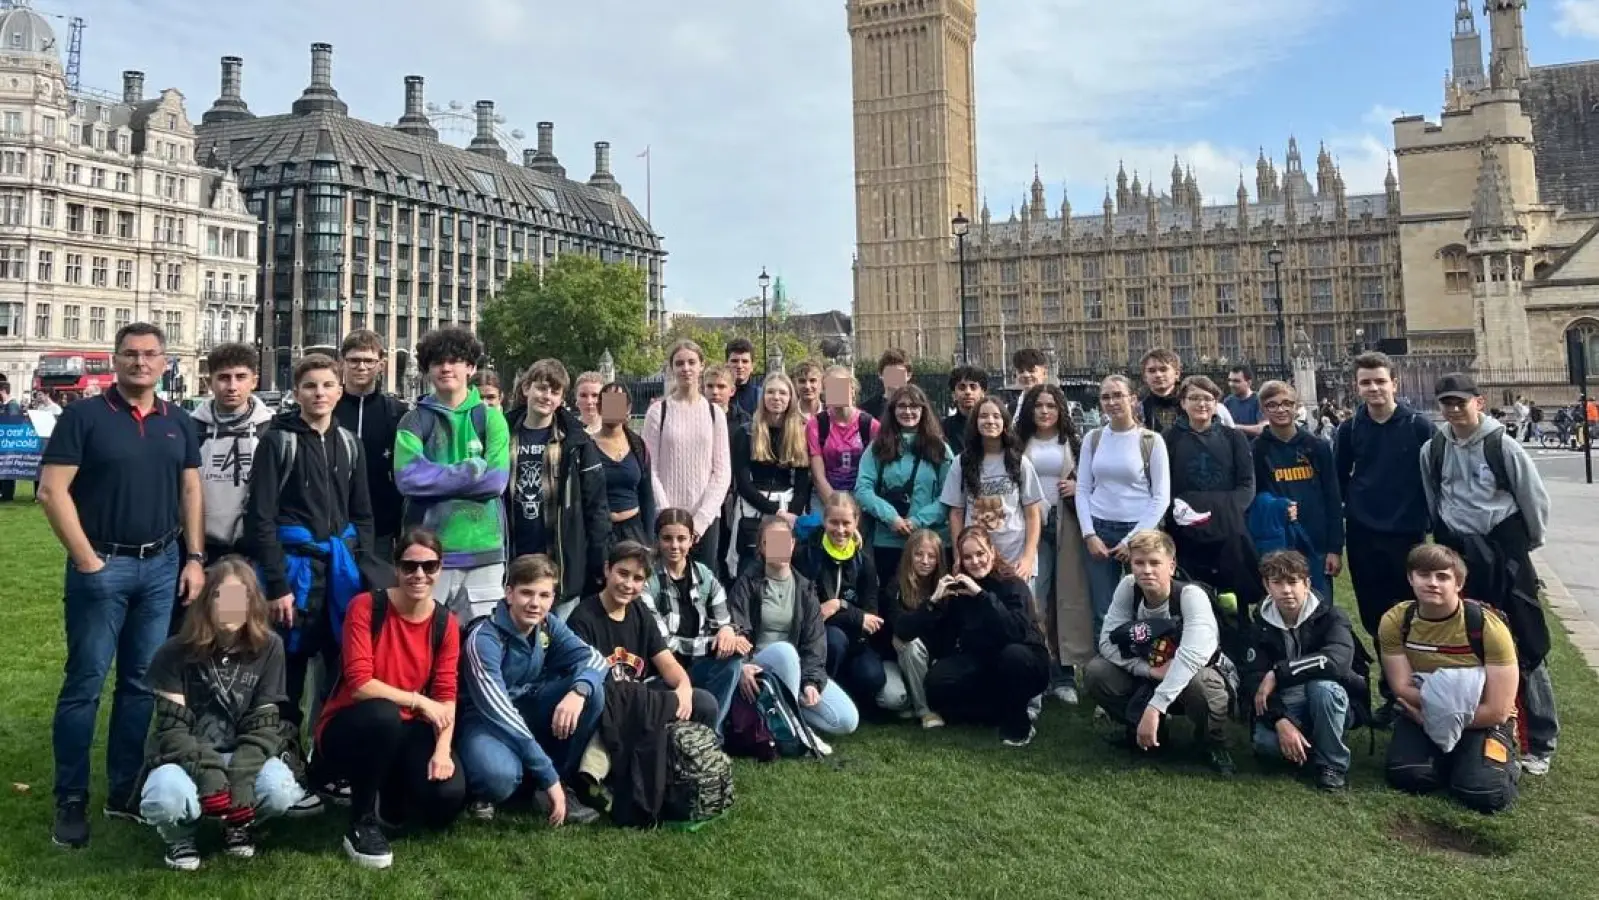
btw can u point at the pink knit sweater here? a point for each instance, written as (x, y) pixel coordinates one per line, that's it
(689, 466)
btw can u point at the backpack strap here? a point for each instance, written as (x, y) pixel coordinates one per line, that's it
(1146, 446)
(1493, 450)
(1474, 624)
(287, 447)
(380, 611)
(480, 424)
(824, 427)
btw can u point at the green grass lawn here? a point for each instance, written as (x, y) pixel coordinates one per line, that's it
(895, 813)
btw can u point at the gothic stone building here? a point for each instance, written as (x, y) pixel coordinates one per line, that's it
(387, 228)
(1500, 214)
(1149, 269)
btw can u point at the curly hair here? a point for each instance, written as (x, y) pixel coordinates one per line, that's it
(972, 453)
(448, 344)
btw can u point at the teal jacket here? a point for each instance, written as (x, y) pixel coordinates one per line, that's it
(875, 480)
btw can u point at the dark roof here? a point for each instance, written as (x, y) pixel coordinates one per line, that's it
(272, 141)
(1563, 102)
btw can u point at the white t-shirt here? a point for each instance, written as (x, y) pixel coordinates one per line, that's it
(1052, 460)
(999, 504)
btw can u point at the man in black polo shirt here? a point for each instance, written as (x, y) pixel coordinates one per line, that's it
(120, 484)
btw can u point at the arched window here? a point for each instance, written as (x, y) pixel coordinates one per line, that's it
(1457, 270)
(1588, 329)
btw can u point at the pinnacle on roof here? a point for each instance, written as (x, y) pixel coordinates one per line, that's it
(1493, 209)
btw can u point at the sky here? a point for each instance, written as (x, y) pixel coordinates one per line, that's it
(746, 109)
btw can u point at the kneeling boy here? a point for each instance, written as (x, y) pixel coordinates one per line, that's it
(1452, 665)
(1304, 671)
(534, 692)
(1160, 645)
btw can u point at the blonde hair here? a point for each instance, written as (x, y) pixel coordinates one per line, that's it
(836, 370)
(1150, 541)
(914, 591)
(717, 372)
(794, 453)
(844, 499)
(588, 378)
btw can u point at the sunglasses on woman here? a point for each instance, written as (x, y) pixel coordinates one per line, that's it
(413, 566)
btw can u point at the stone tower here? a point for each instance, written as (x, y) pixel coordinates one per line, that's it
(915, 166)
(1467, 75)
(1439, 166)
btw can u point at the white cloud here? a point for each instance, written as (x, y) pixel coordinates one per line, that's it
(1382, 116)
(1577, 18)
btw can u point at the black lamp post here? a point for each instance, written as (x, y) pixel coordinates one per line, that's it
(961, 226)
(765, 281)
(1274, 256)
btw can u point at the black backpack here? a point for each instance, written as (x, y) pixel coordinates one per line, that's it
(699, 776)
(1493, 450)
(863, 425)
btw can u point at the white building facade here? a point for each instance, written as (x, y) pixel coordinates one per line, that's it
(106, 219)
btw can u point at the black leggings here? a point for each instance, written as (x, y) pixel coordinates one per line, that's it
(370, 746)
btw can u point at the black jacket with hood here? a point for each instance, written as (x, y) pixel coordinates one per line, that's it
(979, 626)
(808, 635)
(853, 581)
(374, 418)
(326, 491)
(580, 516)
(1322, 647)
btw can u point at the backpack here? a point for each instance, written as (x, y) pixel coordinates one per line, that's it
(699, 776)
(660, 426)
(1232, 627)
(1493, 450)
(288, 446)
(769, 728)
(863, 427)
(1475, 614)
(480, 423)
(1146, 445)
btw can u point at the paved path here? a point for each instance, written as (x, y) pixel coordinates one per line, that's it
(1569, 561)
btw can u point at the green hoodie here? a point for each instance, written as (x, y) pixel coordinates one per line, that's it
(452, 483)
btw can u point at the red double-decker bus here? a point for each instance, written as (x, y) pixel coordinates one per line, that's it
(68, 374)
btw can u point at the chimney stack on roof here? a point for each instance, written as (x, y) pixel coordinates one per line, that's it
(602, 177)
(484, 142)
(230, 104)
(132, 87)
(319, 95)
(415, 122)
(543, 159)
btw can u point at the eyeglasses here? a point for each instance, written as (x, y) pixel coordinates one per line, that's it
(413, 566)
(1279, 404)
(141, 355)
(362, 362)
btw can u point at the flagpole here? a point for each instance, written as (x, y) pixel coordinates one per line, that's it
(649, 187)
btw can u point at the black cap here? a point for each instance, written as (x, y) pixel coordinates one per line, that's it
(1457, 385)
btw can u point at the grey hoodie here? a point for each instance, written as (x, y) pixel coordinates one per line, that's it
(227, 452)
(1469, 501)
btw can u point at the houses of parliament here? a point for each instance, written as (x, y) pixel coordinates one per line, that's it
(1474, 250)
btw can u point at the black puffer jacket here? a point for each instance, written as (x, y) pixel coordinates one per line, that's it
(853, 581)
(979, 626)
(1322, 647)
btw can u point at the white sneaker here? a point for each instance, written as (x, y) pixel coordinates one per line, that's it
(822, 746)
(481, 810)
(1066, 694)
(308, 806)
(932, 720)
(1535, 765)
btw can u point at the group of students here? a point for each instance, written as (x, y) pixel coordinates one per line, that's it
(481, 597)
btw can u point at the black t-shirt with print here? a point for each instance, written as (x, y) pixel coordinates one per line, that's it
(222, 690)
(628, 646)
(529, 518)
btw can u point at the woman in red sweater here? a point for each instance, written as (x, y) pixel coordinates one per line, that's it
(387, 728)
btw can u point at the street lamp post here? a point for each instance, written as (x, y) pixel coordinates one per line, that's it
(765, 281)
(1274, 256)
(961, 226)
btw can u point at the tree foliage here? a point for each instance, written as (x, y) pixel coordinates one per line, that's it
(574, 311)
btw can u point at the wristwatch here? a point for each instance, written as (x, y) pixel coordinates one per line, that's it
(196, 558)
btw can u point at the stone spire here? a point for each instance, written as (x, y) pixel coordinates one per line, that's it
(1176, 180)
(1110, 211)
(1065, 215)
(1264, 178)
(1191, 189)
(1036, 204)
(1138, 187)
(1509, 68)
(1243, 203)
(1493, 209)
(1123, 198)
(1152, 212)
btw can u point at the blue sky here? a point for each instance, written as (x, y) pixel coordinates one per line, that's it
(746, 105)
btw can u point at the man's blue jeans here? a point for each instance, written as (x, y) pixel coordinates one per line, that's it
(120, 612)
(1321, 710)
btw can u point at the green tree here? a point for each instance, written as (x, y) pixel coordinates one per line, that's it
(714, 341)
(573, 311)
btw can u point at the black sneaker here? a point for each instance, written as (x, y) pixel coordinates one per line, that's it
(578, 812)
(239, 841)
(365, 844)
(1330, 779)
(182, 854)
(335, 792)
(72, 823)
(1382, 718)
(124, 808)
(1222, 762)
